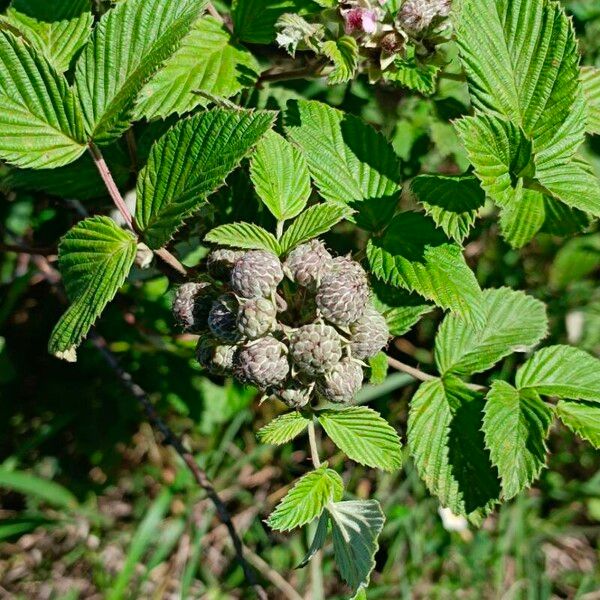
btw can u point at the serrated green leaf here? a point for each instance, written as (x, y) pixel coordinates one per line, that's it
(313, 222)
(41, 126)
(343, 52)
(414, 255)
(94, 258)
(516, 425)
(582, 418)
(413, 75)
(400, 308)
(283, 429)
(452, 202)
(503, 161)
(364, 436)
(590, 78)
(127, 47)
(208, 61)
(574, 183)
(513, 321)
(521, 220)
(577, 259)
(521, 61)
(190, 162)
(500, 152)
(307, 499)
(447, 445)
(243, 235)
(356, 525)
(57, 34)
(280, 176)
(561, 371)
(349, 161)
(560, 219)
(378, 365)
(318, 540)
(254, 20)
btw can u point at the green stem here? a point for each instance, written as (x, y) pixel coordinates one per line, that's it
(279, 231)
(312, 439)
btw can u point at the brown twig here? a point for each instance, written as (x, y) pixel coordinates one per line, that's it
(170, 439)
(110, 184)
(119, 202)
(272, 575)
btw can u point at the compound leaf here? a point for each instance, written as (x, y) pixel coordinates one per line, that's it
(280, 176)
(127, 47)
(350, 162)
(208, 64)
(413, 254)
(356, 525)
(283, 429)
(190, 162)
(562, 371)
(41, 126)
(307, 499)
(364, 436)
(94, 257)
(516, 426)
(513, 321)
(522, 64)
(522, 61)
(499, 150)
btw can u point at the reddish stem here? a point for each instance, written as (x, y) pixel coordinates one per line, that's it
(110, 184)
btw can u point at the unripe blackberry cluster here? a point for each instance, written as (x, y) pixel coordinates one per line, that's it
(298, 330)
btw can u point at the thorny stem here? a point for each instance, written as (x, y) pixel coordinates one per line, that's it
(116, 197)
(314, 451)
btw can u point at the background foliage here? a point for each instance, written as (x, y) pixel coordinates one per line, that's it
(91, 504)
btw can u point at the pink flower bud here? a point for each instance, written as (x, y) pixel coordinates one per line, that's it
(353, 18)
(369, 21)
(359, 19)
